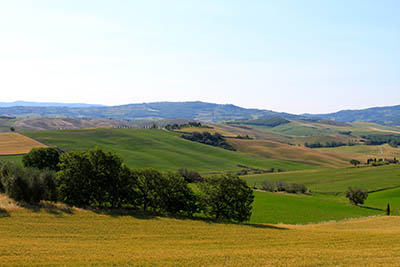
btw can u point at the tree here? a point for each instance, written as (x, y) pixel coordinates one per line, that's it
(146, 182)
(176, 197)
(356, 195)
(227, 197)
(74, 179)
(42, 158)
(90, 178)
(354, 162)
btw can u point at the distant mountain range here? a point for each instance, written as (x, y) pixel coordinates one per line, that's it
(380, 115)
(200, 111)
(46, 104)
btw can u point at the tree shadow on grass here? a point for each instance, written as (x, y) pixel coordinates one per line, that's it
(4, 213)
(266, 226)
(371, 208)
(226, 222)
(49, 207)
(137, 214)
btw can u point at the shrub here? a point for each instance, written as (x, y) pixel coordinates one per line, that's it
(268, 186)
(356, 195)
(190, 176)
(28, 184)
(227, 198)
(281, 186)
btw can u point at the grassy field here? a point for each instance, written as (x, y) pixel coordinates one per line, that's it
(15, 143)
(17, 158)
(382, 198)
(158, 149)
(303, 209)
(276, 150)
(336, 180)
(83, 238)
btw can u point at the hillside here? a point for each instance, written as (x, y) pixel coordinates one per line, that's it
(380, 115)
(206, 112)
(159, 149)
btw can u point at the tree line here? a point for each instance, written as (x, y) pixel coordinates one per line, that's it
(207, 138)
(392, 140)
(99, 179)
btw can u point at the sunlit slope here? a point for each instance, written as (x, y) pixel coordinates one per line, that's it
(15, 143)
(275, 150)
(85, 238)
(336, 180)
(158, 149)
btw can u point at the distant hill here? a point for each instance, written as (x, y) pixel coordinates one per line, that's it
(380, 115)
(200, 111)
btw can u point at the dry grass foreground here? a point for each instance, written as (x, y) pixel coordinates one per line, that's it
(15, 144)
(52, 236)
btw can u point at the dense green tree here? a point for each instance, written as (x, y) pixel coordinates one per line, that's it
(90, 178)
(146, 183)
(75, 179)
(42, 158)
(356, 195)
(176, 197)
(227, 198)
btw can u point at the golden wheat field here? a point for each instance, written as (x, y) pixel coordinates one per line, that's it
(61, 236)
(15, 143)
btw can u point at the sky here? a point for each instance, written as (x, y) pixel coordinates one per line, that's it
(304, 56)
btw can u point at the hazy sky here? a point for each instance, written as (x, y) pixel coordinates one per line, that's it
(293, 56)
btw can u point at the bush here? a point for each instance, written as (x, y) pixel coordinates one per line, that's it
(282, 186)
(190, 176)
(268, 186)
(42, 158)
(227, 198)
(28, 184)
(356, 195)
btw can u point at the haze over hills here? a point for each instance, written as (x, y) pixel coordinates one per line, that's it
(196, 110)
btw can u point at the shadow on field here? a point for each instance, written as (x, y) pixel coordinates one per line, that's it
(266, 226)
(4, 213)
(137, 214)
(52, 208)
(371, 208)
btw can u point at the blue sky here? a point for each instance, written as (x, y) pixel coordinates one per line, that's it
(293, 56)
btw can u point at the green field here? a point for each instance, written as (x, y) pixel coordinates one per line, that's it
(158, 149)
(17, 158)
(302, 209)
(336, 180)
(382, 198)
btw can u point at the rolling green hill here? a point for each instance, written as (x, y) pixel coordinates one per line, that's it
(336, 180)
(158, 149)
